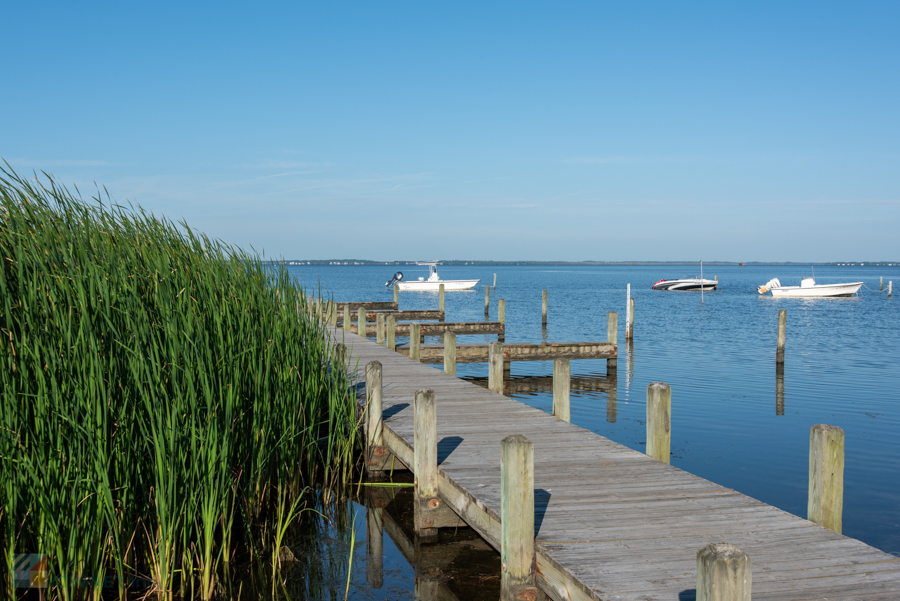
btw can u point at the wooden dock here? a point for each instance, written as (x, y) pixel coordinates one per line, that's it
(440, 328)
(397, 315)
(610, 523)
(479, 353)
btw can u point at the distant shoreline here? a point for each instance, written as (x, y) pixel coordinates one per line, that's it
(358, 262)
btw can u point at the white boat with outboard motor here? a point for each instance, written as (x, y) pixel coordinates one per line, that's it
(808, 288)
(690, 282)
(433, 282)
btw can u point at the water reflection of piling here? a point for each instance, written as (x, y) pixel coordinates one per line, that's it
(779, 389)
(611, 405)
(374, 547)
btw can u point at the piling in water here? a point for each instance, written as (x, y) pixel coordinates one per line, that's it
(544, 307)
(782, 327)
(450, 353)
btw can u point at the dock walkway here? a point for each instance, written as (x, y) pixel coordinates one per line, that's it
(612, 523)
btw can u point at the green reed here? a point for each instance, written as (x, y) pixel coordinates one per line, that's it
(168, 401)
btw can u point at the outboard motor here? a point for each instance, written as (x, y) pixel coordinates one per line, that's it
(397, 277)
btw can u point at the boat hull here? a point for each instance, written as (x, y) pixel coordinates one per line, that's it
(448, 285)
(685, 284)
(818, 291)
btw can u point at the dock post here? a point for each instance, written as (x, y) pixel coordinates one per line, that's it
(826, 476)
(881, 283)
(487, 300)
(544, 307)
(361, 322)
(396, 294)
(612, 336)
(379, 328)
(415, 341)
(441, 298)
(340, 359)
(517, 558)
(332, 313)
(374, 426)
(561, 383)
(629, 333)
(659, 421)
(627, 309)
(782, 326)
(724, 573)
(426, 501)
(495, 281)
(450, 353)
(319, 307)
(347, 323)
(890, 286)
(501, 311)
(310, 304)
(374, 547)
(391, 333)
(495, 367)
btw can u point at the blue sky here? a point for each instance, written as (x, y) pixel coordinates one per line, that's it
(398, 130)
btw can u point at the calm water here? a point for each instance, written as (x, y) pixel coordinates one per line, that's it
(730, 424)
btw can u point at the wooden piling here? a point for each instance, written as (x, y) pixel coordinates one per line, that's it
(724, 573)
(391, 333)
(495, 281)
(495, 367)
(890, 288)
(782, 326)
(396, 294)
(450, 353)
(379, 328)
(629, 334)
(426, 501)
(347, 322)
(415, 341)
(487, 300)
(310, 304)
(659, 417)
(612, 327)
(501, 311)
(544, 307)
(332, 313)
(825, 504)
(517, 557)
(319, 307)
(374, 425)
(881, 283)
(361, 322)
(561, 383)
(441, 298)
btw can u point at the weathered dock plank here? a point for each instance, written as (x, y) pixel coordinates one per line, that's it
(479, 353)
(369, 306)
(461, 328)
(612, 523)
(399, 315)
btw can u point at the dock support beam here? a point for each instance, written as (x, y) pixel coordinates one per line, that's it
(441, 298)
(415, 341)
(724, 573)
(376, 454)
(629, 334)
(379, 328)
(391, 333)
(826, 476)
(517, 558)
(659, 418)
(487, 300)
(561, 384)
(543, 307)
(501, 311)
(782, 327)
(347, 324)
(450, 353)
(361, 322)
(495, 367)
(612, 335)
(426, 499)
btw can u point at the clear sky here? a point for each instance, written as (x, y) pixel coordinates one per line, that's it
(754, 131)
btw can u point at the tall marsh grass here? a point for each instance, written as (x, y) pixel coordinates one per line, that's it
(167, 402)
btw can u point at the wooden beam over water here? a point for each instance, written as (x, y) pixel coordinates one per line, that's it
(460, 328)
(478, 353)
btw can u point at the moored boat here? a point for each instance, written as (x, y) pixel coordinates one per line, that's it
(433, 282)
(808, 288)
(690, 282)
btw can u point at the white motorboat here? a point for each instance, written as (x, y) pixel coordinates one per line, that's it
(809, 288)
(433, 282)
(690, 282)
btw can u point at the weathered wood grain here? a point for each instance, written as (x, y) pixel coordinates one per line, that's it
(480, 353)
(826, 476)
